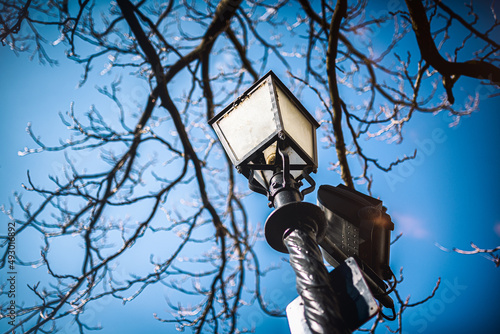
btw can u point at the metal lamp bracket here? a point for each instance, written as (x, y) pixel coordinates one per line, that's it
(311, 182)
(256, 186)
(282, 179)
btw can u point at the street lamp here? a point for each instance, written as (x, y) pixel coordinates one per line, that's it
(271, 139)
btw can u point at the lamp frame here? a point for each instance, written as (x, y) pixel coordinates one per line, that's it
(280, 135)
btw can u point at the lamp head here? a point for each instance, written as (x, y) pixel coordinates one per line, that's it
(260, 125)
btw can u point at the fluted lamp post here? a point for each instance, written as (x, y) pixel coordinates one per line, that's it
(271, 139)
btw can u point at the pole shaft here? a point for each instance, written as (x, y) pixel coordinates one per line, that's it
(321, 308)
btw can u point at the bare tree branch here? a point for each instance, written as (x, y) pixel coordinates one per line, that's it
(450, 71)
(147, 164)
(489, 254)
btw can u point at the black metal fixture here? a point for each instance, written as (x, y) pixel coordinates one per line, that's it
(271, 139)
(359, 227)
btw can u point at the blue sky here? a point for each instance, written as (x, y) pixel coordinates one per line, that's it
(448, 195)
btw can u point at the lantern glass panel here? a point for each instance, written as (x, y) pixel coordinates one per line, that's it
(296, 124)
(249, 123)
(295, 159)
